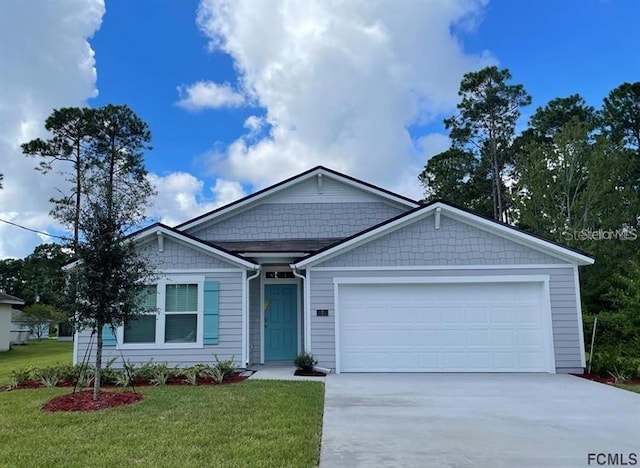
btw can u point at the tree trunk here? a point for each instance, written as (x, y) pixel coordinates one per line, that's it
(76, 218)
(96, 380)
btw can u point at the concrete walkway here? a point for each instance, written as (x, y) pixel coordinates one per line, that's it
(279, 372)
(475, 420)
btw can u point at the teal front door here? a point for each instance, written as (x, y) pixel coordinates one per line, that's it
(280, 322)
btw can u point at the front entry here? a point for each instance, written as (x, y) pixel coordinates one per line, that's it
(280, 322)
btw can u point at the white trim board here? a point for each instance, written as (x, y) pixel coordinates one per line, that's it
(576, 282)
(447, 267)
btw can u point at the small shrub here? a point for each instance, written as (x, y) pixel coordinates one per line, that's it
(84, 375)
(217, 374)
(48, 376)
(160, 374)
(227, 367)
(192, 374)
(618, 376)
(606, 362)
(305, 362)
(20, 376)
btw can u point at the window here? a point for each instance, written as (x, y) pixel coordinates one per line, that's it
(143, 328)
(181, 313)
(175, 316)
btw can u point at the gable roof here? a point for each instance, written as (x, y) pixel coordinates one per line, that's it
(280, 186)
(512, 233)
(159, 229)
(9, 299)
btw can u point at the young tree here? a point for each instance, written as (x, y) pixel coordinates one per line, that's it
(485, 125)
(106, 283)
(70, 130)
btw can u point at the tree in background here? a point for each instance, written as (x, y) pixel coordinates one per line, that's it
(107, 280)
(485, 128)
(70, 130)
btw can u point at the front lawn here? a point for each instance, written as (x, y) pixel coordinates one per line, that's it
(253, 423)
(36, 353)
(631, 388)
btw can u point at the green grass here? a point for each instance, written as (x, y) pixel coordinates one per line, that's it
(253, 423)
(36, 353)
(631, 388)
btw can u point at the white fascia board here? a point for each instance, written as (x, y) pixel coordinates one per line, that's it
(250, 200)
(193, 243)
(460, 215)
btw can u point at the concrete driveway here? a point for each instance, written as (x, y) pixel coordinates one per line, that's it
(476, 420)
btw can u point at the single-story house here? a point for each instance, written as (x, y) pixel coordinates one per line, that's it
(26, 328)
(7, 302)
(365, 279)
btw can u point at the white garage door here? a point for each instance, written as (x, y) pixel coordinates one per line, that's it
(470, 327)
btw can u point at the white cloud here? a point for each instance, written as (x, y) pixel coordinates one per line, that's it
(181, 197)
(46, 62)
(340, 82)
(208, 95)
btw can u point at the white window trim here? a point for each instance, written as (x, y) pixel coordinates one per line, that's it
(161, 314)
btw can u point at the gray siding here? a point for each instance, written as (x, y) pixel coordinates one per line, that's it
(563, 308)
(298, 221)
(178, 255)
(455, 243)
(230, 342)
(254, 321)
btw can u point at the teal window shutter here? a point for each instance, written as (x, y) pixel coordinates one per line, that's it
(211, 312)
(108, 338)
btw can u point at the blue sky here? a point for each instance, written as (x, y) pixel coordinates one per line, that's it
(269, 89)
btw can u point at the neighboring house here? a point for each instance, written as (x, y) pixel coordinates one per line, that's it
(6, 308)
(19, 323)
(365, 279)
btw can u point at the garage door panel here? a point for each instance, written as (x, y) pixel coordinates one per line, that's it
(443, 327)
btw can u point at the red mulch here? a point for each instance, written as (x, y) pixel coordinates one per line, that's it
(606, 380)
(309, 374)
(83, 401)
(203, 381)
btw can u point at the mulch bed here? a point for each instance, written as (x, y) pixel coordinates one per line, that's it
(309, 374)
(83, 401)
(606, 380)
(203, 381)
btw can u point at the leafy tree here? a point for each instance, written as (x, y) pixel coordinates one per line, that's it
(38, 317)
(70, 128)
(621, 114)
(106, 283)
(485, 125)
(456, 176)
(42, 273)
(11, 277)
(549, 120)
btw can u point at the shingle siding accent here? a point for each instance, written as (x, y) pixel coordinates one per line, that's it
(228, 347)
(298, 221)
(455, 243)
(176, 255)
(562, 294)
